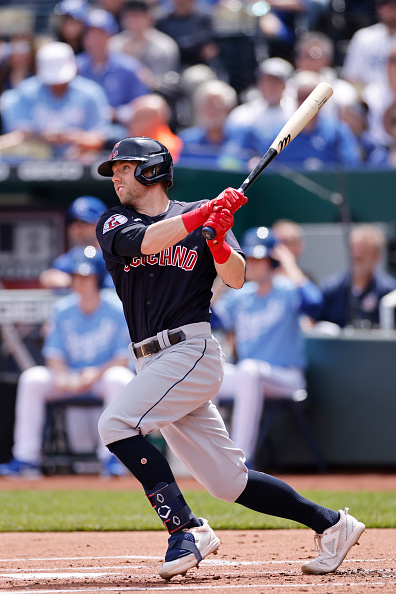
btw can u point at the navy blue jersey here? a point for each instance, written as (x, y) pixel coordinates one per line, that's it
(165, 290)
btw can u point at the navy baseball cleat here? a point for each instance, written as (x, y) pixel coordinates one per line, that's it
(186, 549)
(334, 544)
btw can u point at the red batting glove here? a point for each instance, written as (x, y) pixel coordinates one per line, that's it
(231, 199)
(221, 221)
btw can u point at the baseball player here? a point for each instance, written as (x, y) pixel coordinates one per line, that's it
(163, 270)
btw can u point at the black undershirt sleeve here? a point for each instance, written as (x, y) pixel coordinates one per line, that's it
(127, 242)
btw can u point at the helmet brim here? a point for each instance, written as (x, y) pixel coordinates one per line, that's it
(106, 168)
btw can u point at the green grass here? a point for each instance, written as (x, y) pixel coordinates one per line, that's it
(54, 510)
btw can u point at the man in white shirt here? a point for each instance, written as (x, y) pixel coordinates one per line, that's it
(368, 50)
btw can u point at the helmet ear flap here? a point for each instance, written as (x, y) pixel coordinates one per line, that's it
(160, 170)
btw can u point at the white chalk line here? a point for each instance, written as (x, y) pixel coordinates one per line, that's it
(43, 574)
(155, 558)
(160, 558)
(195, 587)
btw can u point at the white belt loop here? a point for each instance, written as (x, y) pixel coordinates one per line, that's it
(163, 339)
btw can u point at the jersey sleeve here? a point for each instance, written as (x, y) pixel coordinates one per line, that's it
(110, 223)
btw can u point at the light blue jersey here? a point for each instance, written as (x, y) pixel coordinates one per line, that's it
(85, 340)
(267, 327)
(32, 106)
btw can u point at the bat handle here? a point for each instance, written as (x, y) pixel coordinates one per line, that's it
(210, 233)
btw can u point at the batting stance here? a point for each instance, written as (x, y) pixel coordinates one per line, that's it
(163, 270)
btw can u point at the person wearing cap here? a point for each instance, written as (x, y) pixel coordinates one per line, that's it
(119, 75)
(264, 317)
(267, 109)
(85, 351)
(66, 112)
(82, 216)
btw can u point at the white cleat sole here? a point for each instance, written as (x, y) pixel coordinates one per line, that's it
(180, 566)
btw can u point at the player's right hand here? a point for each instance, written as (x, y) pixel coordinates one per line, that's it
(220, 221)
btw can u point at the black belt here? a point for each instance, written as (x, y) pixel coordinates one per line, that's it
(153, 346)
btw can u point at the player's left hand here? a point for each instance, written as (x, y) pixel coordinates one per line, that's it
(221, 221)
(230, 199)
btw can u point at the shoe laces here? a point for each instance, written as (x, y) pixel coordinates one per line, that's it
(318, 543)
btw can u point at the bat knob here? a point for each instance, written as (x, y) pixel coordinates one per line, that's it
(208, 233)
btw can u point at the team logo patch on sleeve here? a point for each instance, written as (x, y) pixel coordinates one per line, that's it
(113, 222)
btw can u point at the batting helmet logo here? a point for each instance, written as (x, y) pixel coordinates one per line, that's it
(115, 150)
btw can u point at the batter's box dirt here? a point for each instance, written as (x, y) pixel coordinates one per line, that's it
(248, 561)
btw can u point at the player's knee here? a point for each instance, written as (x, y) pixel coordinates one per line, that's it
(37, 375)
(250, 368)
(118, 375)
(112, 428)
(228, 488)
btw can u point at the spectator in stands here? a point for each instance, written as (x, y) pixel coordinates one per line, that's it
(69, 23)
(212, 143)
(368, 50)
(158, 53)
(289, 234)
(115, 7)
(149, 116)
(285, 22)
(325, 142)
(269, 109)
(379, 96)
(20, 62)
(352, 298)
(315, 52)
(355, 114)
(386, 156)
(86, 351)
(192, 29)
(82, 216)
(190, 79)
(264, 316)
(65, 113)
(119, 75)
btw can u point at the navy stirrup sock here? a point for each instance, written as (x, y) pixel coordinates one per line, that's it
(266, 494)
(152, 470)
(144, 460)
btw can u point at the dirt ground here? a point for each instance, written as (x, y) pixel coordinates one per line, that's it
(248, 561)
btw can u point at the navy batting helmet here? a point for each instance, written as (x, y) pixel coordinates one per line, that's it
(258, 243)
(155, 161)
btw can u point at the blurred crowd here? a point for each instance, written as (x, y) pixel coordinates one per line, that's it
(214, 80)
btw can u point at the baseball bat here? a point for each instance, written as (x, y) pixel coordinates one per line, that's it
(293, 126)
